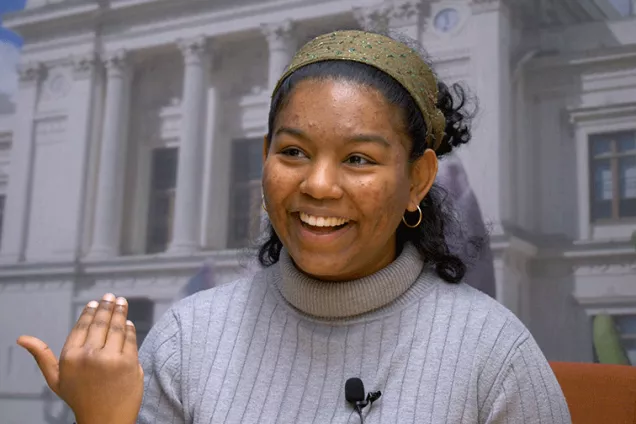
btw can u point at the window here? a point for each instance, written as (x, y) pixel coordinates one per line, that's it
(162, 193)
(245, 192)
(141, 312)
(613, 175)
(626, 325)
(623, 7)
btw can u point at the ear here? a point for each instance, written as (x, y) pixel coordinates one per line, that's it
(423, 173)
(265, 147)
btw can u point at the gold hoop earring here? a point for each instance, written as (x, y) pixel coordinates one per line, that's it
(419, 221)
(263, 203)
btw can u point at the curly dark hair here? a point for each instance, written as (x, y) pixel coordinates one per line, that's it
(430, 236)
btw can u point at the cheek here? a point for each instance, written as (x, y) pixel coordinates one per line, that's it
(384, 202)
(278, 185)
(269, 178)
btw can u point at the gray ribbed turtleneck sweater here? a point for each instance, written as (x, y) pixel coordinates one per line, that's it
(278, 348)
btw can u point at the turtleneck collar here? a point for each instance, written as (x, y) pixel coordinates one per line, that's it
(342, 299)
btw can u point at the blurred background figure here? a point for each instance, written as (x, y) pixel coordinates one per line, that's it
(471, 244)
(202, 280)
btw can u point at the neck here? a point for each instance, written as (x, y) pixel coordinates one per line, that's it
(343, 299)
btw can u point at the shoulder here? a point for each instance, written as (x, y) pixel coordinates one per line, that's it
(209, 304)
(207, 297)
(496, 331)
(189, 316)
(466, 296)
(506, 357)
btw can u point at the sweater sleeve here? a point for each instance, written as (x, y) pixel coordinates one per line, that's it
(160, 357)
(527, 391)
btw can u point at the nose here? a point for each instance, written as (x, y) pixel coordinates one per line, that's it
(322, 181)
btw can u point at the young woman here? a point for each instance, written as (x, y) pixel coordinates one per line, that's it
(357, 282)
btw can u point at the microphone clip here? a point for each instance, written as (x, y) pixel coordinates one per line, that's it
(371, 397)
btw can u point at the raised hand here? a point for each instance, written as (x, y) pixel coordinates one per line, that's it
(98, 374)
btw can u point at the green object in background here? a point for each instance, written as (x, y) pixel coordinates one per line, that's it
(607, 342)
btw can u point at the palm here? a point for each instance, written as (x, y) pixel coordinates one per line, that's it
(98, 374)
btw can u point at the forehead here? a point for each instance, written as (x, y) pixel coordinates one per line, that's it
(340, 106)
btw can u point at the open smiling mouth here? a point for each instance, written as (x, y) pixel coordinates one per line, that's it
(322, 225)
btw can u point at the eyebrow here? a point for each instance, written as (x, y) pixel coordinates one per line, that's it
(357, 138)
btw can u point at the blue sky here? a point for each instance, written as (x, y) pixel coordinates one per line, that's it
(10, 44)
(10, 6)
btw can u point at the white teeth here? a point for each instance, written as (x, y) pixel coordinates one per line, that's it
(321, 221)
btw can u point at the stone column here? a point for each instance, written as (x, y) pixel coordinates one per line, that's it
(512, 258)
(109, 204)
(282, 46)
(282, 43)
(21, 168)
(188, 201)
(487, 158)
(214, 159)
(80, 133)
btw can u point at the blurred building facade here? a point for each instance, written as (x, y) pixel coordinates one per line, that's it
(134, 155)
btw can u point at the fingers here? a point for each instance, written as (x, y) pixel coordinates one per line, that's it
(45, 358)
(116, 336)
(130, 346)
(98, 329)
(78, 334)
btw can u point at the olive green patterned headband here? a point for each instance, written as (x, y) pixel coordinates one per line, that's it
(392, 57)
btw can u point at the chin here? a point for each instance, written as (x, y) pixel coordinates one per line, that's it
(328, 267)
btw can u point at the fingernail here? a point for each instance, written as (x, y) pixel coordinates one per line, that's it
(109, 297)
(92, 304)
(121, 301)
(129, 322)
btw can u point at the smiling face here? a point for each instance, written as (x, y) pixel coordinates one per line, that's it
(337, 179)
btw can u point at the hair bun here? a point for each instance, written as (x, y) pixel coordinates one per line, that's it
(452, 101)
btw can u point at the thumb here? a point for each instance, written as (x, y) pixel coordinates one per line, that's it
(45, 358)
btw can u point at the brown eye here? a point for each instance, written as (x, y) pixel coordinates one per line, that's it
(358, 160)
(294, 152)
